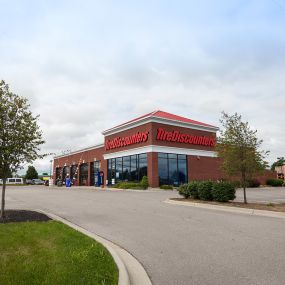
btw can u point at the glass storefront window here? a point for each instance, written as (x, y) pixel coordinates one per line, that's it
(162, 155)
(134, 168)
(94, 168)
(113, 169)
(172, 169)
(142, 165)
(119, 168)
(163, 170)
(127, 168)
(182, 171)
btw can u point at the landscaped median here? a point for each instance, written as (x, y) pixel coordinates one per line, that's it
(220, 196)
(48, 252)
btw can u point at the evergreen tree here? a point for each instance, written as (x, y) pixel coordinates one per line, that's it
(31, 173)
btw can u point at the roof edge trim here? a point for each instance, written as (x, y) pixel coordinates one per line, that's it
(79, 151)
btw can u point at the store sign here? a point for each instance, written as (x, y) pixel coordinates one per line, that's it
(176, 136)
(118, 142)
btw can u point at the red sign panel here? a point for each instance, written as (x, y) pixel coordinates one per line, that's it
(118, 142)
(176, 136)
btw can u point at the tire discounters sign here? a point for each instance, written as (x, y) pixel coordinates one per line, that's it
(162, 135)
(118, 142)
(176, 136)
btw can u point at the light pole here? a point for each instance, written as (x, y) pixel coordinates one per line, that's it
(50, 168)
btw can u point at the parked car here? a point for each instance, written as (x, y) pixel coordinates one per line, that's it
(15, 180)
(29, 181)
(38, 182)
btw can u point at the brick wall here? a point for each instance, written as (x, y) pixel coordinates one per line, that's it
(152, 169)
(87, 156)
(200, 168)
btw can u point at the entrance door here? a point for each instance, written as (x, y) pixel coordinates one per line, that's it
(83, 178)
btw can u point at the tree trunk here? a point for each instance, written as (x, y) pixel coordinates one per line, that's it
(244, 188)
(244, 195)
(2, 217)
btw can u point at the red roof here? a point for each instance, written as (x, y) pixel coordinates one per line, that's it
(170, 116)
(164, 115)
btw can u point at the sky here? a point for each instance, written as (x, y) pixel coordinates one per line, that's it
(86, 66)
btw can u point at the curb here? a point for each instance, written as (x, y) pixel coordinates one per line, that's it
(247, 211)
(131, 272)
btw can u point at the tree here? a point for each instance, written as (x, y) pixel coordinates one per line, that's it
(31, 173)
(20, 135)
(239, 149)
(9, 174)
(280, 161)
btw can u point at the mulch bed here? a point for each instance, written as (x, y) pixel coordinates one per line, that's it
(258, 206)
(24, 216)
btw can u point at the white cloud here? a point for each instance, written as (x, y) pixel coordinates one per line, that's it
(88, 67)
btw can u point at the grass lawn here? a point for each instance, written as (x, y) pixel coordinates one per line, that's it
(52, 253)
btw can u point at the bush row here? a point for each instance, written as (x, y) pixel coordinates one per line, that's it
(166, 187)
(208, 191)
(275, 182)
(142, 185)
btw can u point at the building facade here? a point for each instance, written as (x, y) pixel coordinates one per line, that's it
(280, 171)
(167, 148)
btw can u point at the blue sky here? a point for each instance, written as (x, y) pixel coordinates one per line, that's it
(88, 65)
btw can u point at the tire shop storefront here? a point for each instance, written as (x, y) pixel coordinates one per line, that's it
(167, 148)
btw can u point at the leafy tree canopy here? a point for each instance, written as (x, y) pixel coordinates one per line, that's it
(280, 161)
(20, 135)
(9, 174)
(31, 173)
(239, 148)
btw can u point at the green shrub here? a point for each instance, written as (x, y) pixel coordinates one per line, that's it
(144, 182)
(183, 191)
(126, 185)
(252, 183)
(205, 190)
(223, 191)
(192, 189)
(275, 182)
(166, 187)
(142, 185)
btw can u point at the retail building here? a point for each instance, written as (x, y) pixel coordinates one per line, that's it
(167, 148)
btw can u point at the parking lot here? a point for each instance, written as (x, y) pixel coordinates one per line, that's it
(263, 195)
(176, 244)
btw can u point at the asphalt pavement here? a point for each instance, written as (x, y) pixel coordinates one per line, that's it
(176, 244)
(263, 195)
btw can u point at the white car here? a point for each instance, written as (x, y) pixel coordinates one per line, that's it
(38, 182)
